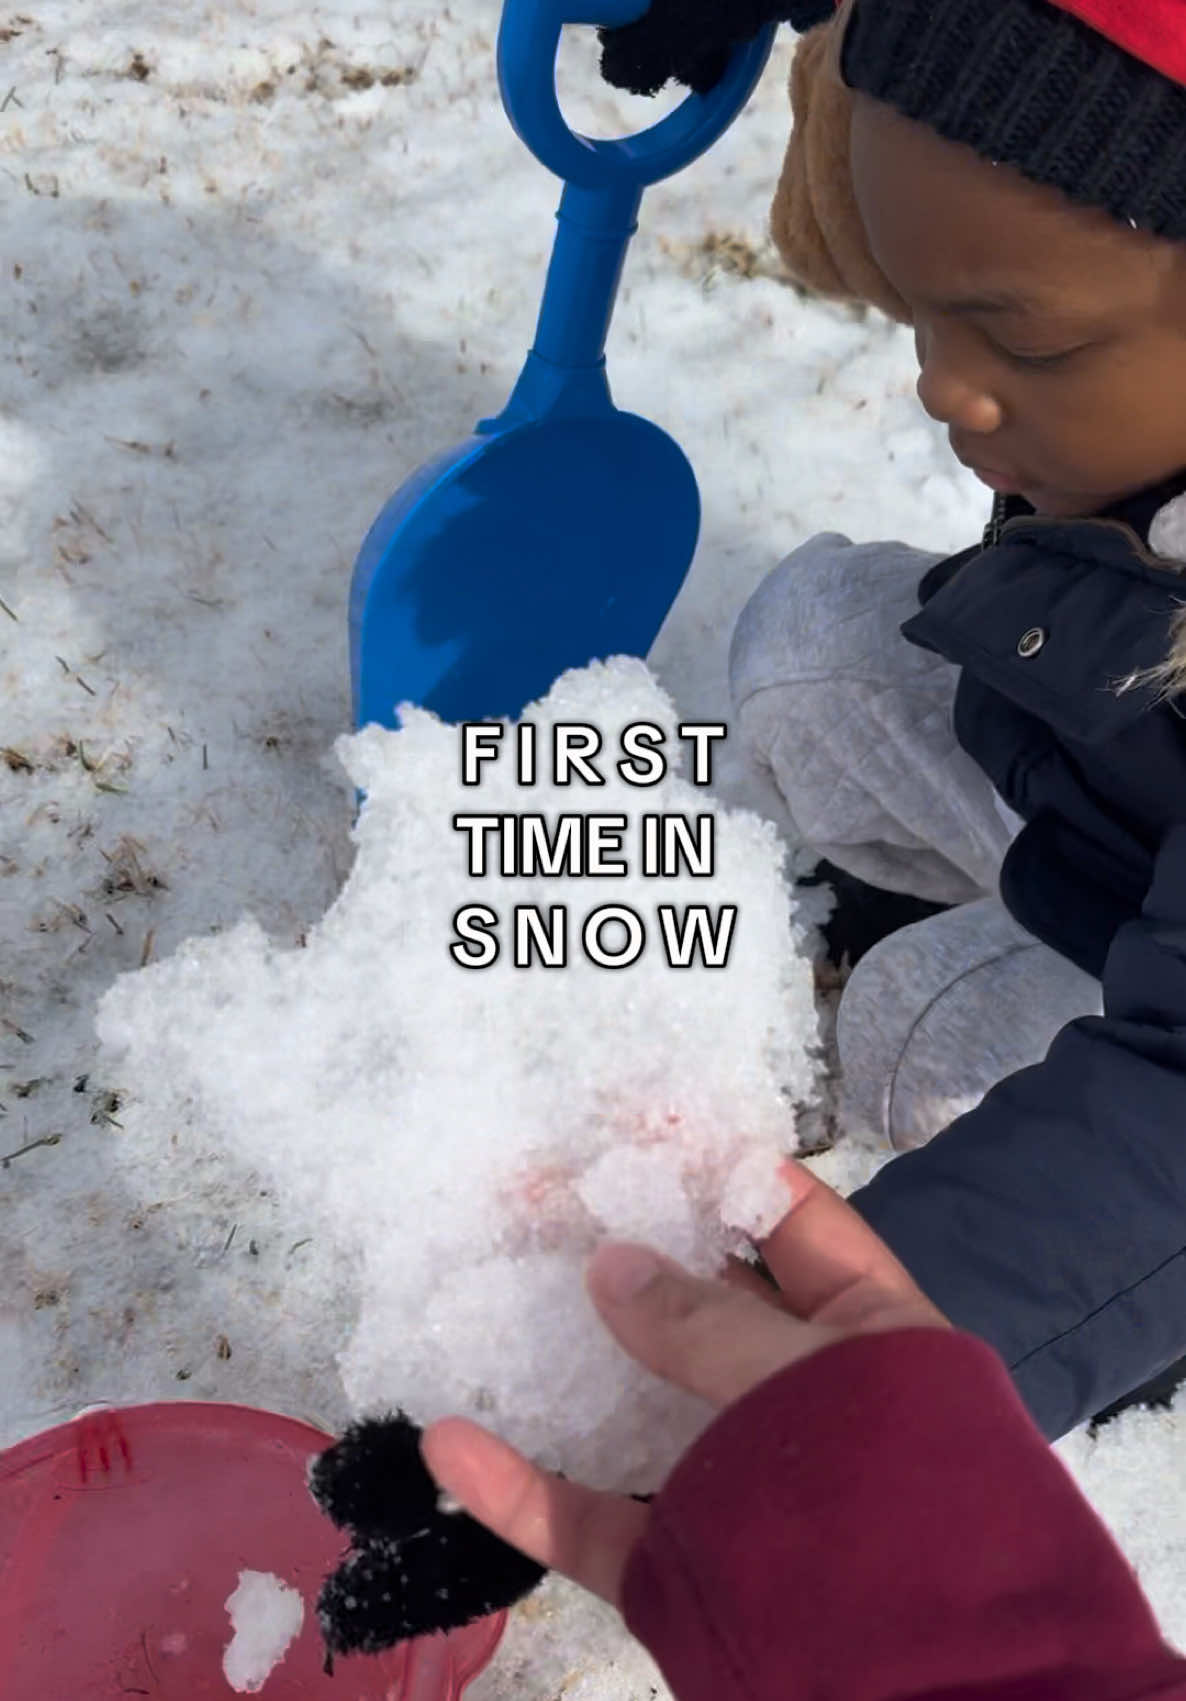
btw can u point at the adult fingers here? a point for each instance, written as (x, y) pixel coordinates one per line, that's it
(562, 1525)
(736, 1273)
(832, 1268)
(715, 1339)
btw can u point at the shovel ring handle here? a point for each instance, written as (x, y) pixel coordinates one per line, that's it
(528, 43)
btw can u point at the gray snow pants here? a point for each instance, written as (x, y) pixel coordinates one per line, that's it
(853, 726)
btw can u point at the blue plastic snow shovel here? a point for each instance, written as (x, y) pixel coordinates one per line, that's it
(561, 531)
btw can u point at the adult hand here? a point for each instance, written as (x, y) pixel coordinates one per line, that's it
(835, 1278)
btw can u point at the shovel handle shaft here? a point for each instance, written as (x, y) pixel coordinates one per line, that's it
(528, 42)
(593, 231)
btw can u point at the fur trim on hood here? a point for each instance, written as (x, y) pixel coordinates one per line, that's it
(1167, 537)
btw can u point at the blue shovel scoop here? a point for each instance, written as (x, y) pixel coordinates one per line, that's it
(561, 530)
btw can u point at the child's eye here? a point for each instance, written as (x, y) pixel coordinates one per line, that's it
(1041, 360)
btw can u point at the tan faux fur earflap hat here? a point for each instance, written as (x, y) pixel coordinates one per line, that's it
(814, 221)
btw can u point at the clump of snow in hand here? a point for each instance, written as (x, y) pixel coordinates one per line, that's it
(266, 1616)
(462, 1139)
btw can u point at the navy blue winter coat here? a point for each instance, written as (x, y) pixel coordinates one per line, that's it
(1051, 1219)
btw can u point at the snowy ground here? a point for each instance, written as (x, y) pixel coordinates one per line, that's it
(257, 262)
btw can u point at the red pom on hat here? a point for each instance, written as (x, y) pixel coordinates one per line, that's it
(1151, 30)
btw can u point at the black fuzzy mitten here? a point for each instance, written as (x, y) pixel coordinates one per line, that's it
(411, 1568)
(691, 40)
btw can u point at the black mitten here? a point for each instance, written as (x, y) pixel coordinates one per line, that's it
(864, 914)
(805, 14)
(411, 1568)
(691, 40)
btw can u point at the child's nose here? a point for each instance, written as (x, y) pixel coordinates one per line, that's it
(951, 392)
(954, 401)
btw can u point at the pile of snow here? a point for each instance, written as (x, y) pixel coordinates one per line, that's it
(266, 1616)
(459, 1138)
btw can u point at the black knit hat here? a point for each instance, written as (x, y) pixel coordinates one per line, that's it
(1025, 83)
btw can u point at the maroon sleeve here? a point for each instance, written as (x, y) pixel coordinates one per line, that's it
(883, 1520)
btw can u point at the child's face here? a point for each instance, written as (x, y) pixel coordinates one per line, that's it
(1052, 338)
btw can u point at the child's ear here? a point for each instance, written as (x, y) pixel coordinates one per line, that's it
(814, 220)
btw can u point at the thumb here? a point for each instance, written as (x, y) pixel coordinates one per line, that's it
(709, 1338)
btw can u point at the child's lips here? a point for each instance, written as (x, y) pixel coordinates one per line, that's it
(1000, 482)
(1004, 483)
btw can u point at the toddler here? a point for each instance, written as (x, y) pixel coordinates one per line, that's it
(1003, 731)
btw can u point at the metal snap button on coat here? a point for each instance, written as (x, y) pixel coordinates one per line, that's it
(1031, 642)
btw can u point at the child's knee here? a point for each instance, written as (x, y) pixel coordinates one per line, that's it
(898, 1077)
(831, 608)
(939, 1012)
(773, 639)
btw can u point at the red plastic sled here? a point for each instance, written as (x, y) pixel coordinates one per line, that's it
(123, 1533)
